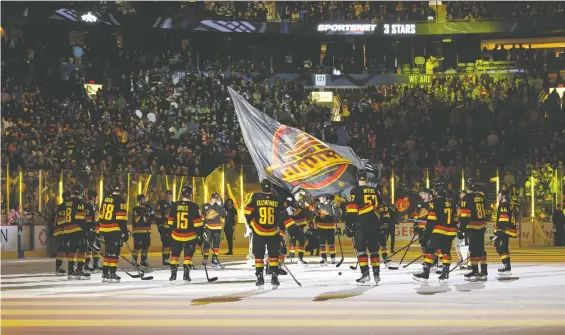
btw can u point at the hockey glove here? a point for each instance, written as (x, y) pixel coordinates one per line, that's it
(349, 232)
(499, 234)
(125, 236)
(460, 235)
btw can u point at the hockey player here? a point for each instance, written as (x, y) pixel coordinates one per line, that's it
(327, 215)
(263, 214)
(143, 216)
(113, 226)
(161, 218)
(92, 217)
(361, 221)
(441, 230)
(504, 230)
(185, 221)
(420, 217)
(213, 213)
(384, 221)
(474, 224)
(59, 223)
(76, 230)
(461, 245)
(300, 211)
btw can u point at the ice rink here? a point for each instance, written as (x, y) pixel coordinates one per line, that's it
(531, 301)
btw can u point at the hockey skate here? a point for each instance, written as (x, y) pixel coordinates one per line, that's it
(506, 270)
(186, 275)
(275, 281)
(376, 276)
(81, 275)
(444, 277)
(439, 269)
(423, 276)
(173, 277)
(260, 281)
(72, 274)
(324, 262)
(364, 279)
(472, 276)
(105, 275)
(282, 272)
(60, 272)
(483, 275)
(114, 278)
(205, 260)
(166, 263)
(292, 259)
(144, 266)
(215, 263)
(333, 261)
(302, 262)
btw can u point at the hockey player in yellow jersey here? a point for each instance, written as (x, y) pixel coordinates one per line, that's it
(362, 221)
(504, 230)
(474, 224)
(441, 230)
(76, 229)
(264, 213)
(327, 215)
(113, 225)
(185, 221)
(61, 238)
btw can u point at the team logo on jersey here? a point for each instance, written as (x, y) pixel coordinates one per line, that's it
(402, 204)
(299, 158)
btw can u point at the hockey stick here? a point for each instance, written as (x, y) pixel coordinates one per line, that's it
(290, 273)
(210, 280)
(341, 250)
(404, 247)
(357, 264)
(141, 273)
(121, 269)
(403, 256)
(466, 259)
(407, 265)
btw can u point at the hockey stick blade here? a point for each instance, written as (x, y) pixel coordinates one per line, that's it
(213, 279)
(147, 278)
(393, 268)
(339, 263)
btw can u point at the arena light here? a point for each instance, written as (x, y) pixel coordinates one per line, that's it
(21, 189)
(88, 17)
(100, 190)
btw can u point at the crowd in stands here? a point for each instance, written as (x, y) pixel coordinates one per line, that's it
(146, 120)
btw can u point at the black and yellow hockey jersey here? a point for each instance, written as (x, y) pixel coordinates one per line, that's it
(92, 216)
(420, 216)
(113, 214)
(162, 212)
(60, 221)
(363, 205)
(506, 220)
(326, 216)
(185, 221)
(75, 216)
(473, 211)
(264, 213)
(142, 218)
(440, 217)
(213, 215)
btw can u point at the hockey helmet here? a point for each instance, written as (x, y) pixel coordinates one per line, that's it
(78, 190)
(266, 186)
(471, 184)
(141, 198)
(362, 174)
(116, 186)
(186, 192)
(66, 195)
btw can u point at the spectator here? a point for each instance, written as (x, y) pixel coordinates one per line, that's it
(78, 52)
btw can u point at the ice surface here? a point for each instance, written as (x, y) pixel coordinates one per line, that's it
(532, 298)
